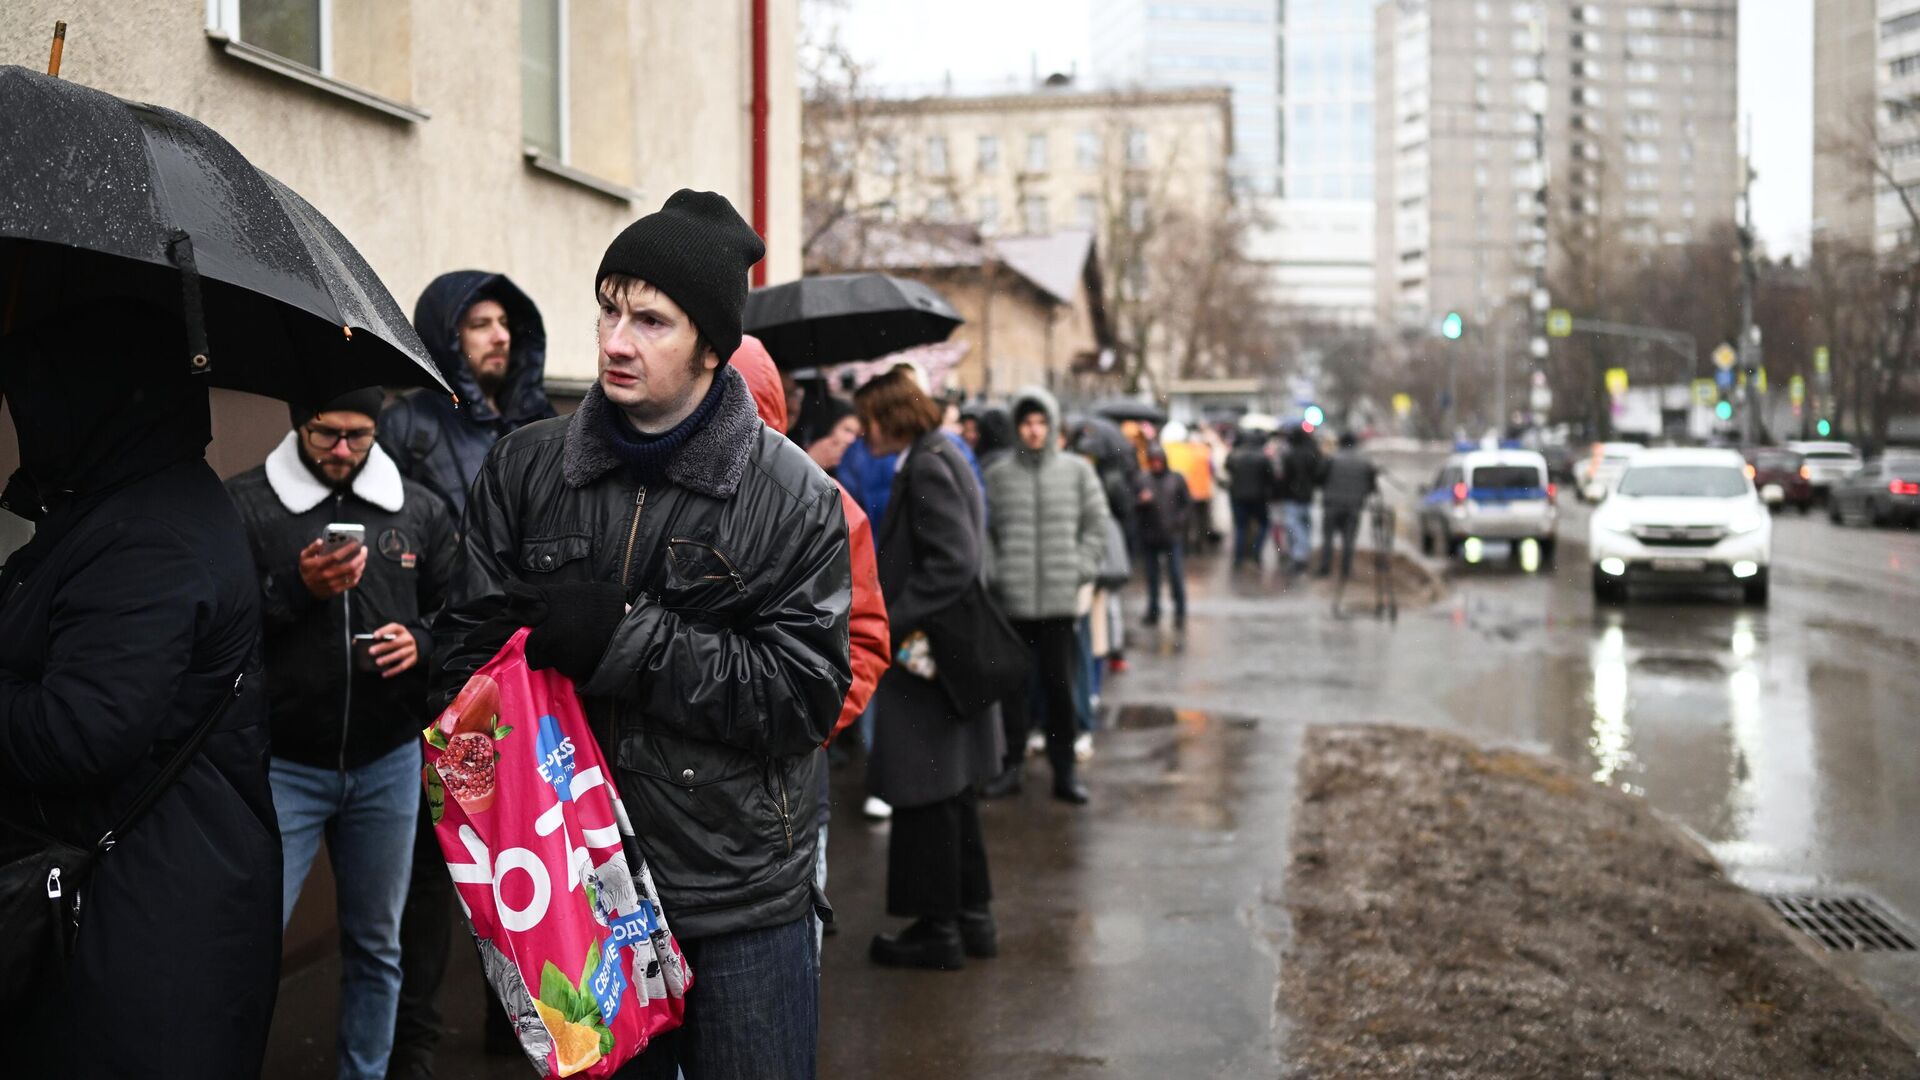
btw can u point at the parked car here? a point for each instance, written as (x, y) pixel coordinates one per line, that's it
(1828, 463)
(1596, 474)
(1490, 495)
(1782, 476)
(1682, 517)
(1884, 491)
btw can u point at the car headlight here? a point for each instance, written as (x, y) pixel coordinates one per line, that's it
(1746, 523)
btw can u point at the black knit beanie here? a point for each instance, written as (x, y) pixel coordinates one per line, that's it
(697, 250)
(366, 400)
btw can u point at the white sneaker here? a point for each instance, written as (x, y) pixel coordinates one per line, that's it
(1083, 746)
(1036, 743)
(876, 808)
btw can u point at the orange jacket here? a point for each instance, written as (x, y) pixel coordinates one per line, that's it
(868, 637)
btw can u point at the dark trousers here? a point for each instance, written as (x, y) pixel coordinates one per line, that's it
(1176, 581)
(753, 1012)
(1056, 649)
(937, 859)
(1341, 523)
(1249, 529)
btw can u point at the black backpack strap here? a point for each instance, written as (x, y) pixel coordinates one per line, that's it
(175, 765)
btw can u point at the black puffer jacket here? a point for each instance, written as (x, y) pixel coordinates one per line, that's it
(324, 714)
(728, 671)
(442, 445)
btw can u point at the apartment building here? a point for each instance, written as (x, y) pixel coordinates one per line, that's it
(1866, 101)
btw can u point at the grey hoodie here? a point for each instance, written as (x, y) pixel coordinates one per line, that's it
(1047, 521)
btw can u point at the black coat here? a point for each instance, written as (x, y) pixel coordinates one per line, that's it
(1164, 518)
(324, 714)
(437, 443)
(930, 551)
(1249, 473)
(728, 672)
(1299, 471)
(124, 621)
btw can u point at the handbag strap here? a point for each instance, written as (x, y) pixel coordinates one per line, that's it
(171, 770)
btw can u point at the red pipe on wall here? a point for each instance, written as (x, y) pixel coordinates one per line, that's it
(759, 31)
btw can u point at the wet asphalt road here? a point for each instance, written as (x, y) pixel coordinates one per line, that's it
(1140, 935)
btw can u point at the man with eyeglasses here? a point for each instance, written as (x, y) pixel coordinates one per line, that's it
(344, 626)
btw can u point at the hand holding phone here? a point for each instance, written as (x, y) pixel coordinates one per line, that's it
(333, 563)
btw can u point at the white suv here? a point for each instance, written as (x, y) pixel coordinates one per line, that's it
(1682, 517)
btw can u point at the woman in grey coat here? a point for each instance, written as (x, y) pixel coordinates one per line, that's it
(926, 759)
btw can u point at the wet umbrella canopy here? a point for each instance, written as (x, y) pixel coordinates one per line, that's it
(1132, 410)
(839, 318)
(119, 197)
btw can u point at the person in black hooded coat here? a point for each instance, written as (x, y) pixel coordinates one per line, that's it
(442, 445)
(123, 623)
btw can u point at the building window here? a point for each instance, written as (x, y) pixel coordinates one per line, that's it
(1642, 99)
(296, 29)
(940, 210)
(543, 76)
(886, 156)
(1136, 147)
(936, 155)
(989, 214)
(1643, 44)
(1033, 214)
(1643, 124)
(1086, 150)
(1086, 211)
(1642, 71)
(1137, 212)
(1640, 17)
(989, 155)
(1641, 180)
(1037, 153)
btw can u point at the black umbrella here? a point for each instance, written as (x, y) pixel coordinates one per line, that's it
(839, 318)
(1123, 409)
(97, 191)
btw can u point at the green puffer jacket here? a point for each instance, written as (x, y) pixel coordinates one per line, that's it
(1047, 520)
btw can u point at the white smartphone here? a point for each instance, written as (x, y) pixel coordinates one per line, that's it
(342, 534)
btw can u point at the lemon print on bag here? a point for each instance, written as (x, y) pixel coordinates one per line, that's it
(572, 1017)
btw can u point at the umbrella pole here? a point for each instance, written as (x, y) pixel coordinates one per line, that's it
(59, 46)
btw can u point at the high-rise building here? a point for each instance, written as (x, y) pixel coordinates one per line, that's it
(1620, 114)
(1302, 82)
(1866, 106)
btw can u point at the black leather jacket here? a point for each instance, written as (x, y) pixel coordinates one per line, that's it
(728, 671)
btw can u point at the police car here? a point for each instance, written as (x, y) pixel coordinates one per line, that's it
(1482, 495)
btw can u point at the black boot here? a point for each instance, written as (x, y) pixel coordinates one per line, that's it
(977, 934)
(1069, 790)
(926, 943)
(1003, 785)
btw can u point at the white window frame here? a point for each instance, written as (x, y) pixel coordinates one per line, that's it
(223, 16)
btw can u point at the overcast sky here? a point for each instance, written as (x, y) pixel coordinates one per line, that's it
(920, 42)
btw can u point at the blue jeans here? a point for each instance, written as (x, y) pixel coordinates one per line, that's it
(368, 816)
(1176, 580)
(1298, 517)
(753, 1012)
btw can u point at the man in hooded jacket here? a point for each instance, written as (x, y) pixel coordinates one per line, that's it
(488, 341)
(123, 624)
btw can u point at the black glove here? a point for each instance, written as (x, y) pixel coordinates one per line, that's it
(576, 622)
(526, 606)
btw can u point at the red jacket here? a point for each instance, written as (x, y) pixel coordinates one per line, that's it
(867, 632)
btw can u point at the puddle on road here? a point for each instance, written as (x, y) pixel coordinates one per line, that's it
(1181, 766)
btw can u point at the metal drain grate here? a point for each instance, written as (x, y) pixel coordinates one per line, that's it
(1844, 923)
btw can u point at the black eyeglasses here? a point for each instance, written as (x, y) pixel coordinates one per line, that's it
(326, 438)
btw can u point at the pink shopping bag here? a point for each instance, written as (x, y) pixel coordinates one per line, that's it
(561, 904)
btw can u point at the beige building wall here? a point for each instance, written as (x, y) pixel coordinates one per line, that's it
(659, 95)
(1844, 62)
(1180, 142)
(1639, 138)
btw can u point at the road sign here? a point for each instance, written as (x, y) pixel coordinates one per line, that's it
(1760, 380)
(1617, 381)
(1724, 379)
(1822, 359)
(1704, 392)
(1723, 358)
(1559, 323)
(1797, 390)
(1403, 405)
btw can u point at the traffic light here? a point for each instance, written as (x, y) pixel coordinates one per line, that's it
(1825, 429)
(1314, 416)
(1724, 410)
(1452, 326)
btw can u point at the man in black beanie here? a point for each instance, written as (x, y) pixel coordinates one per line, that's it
(344, 627)
(687, 569)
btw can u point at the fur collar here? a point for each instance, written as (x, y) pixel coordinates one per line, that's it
(300, 491)
(710, 463)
